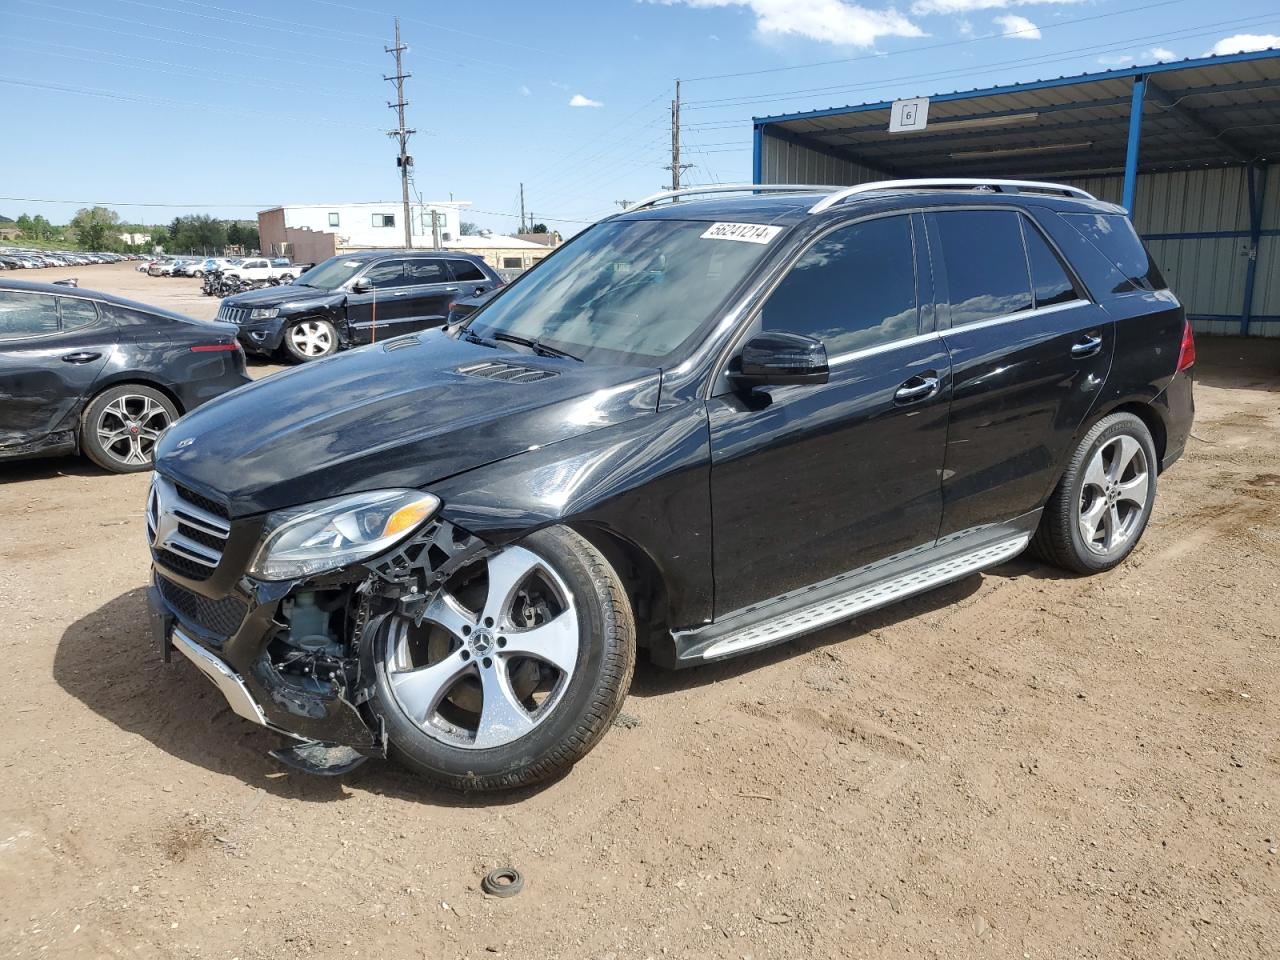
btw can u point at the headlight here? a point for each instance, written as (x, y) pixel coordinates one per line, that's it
(330, 534)
(264, 313)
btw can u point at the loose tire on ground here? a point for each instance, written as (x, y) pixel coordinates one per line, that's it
(579, 713)
(1111, 476)
(120, 426)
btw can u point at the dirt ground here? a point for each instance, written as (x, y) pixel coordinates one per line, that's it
(1023, 764)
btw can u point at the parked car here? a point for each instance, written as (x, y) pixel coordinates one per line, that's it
(351, 300)
(699, 428)
(162, 267)
(88, 372)
(260, 268)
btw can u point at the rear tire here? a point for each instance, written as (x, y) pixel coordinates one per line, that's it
(121, 425)
(459, 695)
(1100, 508)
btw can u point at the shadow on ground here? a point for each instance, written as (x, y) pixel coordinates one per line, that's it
(108, 662)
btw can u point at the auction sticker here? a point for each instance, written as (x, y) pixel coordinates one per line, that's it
(746, 232)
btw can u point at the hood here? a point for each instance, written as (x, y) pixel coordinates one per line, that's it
(395, 414)
(279, 296)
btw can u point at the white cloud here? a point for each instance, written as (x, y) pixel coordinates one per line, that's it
(1162, 53)
(1116, 59)
(578, 100)
(828, 21)
(964, 28)
(1244, 43)
(1017, 28)
(921, 7)
(525, 91)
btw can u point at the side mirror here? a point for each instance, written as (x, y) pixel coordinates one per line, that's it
(361, 285)
(774, 358)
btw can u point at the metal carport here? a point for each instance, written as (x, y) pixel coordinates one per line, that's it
(1185, 146)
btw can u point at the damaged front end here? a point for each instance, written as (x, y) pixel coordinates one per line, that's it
(296, 656)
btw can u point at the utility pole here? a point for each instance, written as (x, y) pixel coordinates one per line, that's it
(435, 229)
(521, 230)
(623, 203)
(403, 161)
(676, 167)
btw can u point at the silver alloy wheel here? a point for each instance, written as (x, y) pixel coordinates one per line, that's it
(311, 339)
(523, 643)
(1113, 497)
(129, 427)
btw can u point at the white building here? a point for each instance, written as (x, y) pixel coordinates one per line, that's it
(311, 232)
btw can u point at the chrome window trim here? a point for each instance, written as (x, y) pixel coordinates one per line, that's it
(850, 355)
(1019, 315)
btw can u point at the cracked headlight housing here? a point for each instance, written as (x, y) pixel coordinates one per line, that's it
(264, 313)
(329, 534)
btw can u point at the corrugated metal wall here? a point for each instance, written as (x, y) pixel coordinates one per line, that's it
(1207, 273)
(784, 162)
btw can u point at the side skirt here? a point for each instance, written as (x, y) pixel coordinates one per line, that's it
(849, 594)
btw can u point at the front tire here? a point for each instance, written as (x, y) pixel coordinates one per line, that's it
(516, 671)
(121, 425)
(310, 339)
(1101, 506)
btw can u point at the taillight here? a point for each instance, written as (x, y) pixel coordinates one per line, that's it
(1187, 352)
(219, 347)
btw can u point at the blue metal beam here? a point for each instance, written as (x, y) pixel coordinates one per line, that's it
(1257, 182)
(1135, 142)
(757, 158)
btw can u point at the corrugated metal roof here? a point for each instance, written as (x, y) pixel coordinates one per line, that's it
(1211, 111)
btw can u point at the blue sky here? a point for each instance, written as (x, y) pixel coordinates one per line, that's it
(230, 106)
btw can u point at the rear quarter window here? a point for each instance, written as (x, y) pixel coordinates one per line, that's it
(1115, 237)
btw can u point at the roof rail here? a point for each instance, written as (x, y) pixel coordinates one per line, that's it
(1003, 186)
(730, 188)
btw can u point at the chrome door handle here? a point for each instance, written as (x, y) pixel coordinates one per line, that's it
(401, 293)
(81, 357)
(917, 388)
(1087, 347)
(450, 289)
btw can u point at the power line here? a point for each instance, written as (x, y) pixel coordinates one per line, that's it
(440, 26)
(931, 46)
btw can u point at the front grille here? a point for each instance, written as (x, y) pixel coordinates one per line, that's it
(235, 315)
(219, 617)
(508, 372)
(187, 531)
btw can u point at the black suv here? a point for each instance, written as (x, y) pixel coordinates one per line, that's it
(356, 299)
(699, 428)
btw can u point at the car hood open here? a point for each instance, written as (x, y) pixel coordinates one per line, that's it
(397, 414)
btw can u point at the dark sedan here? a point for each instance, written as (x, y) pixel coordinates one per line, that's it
(88, 372)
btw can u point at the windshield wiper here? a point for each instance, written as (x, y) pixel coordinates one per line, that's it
(541, 349)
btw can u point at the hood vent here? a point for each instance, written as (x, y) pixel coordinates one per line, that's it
(400, 343)
(509, 372)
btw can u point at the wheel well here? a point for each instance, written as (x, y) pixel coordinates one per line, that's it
(1147, 414)
(646, 587)
(149, 384)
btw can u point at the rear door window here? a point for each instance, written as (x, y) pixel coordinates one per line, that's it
(77, 314)
(27, 315)
(425, 271)
(1114, 235)
(1050, 281)
(986, 264)
(854, 288)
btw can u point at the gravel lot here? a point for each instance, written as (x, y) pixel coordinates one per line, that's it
(1023, 764)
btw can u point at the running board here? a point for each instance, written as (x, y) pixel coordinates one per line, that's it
(822, 613)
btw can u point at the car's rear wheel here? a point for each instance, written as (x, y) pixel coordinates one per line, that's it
(1100, 508)
(121, 425)
(310, 339)
(516, 670)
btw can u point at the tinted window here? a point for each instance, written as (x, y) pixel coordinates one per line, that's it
(986, 264)
(27, 315)
(388, 273)
(466, 270)
(1049, 279)
(1114, 235)
(425, 271)
(77, 313)
(854, 288)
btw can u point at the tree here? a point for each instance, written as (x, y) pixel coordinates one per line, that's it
(538, 228)
(198, 233)
(95, 228)
(469, 229)
(159, 236)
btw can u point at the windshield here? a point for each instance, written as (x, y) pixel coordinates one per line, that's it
(623, 291)
(331, 274)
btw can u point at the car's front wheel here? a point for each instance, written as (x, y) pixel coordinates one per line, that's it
(121, 425)
(516, 670)
(310, 339)
(1102, 504)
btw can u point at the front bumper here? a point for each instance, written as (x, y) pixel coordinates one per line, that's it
(261, 336)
